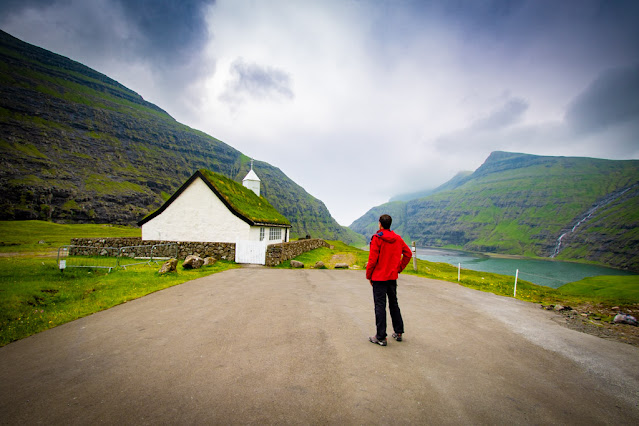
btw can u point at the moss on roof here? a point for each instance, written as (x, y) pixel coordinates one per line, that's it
(244, 201)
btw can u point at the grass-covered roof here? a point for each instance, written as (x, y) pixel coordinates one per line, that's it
(240, 200)
(243, 200)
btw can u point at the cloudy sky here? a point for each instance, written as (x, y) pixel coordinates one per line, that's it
(361, 100)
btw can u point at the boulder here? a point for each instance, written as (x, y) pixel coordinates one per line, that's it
(341, 266)
(296, 264)
(209, 261)
(320, 265)
(562, 308)
(168, 266)
(192, 262)
(622, 318)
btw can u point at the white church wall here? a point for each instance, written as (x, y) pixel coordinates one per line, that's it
(254, 233)
(197, 215)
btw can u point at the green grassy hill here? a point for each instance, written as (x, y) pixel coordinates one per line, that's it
(78, 146)
(521, 204)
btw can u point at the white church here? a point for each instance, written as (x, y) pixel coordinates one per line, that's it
(210, 207)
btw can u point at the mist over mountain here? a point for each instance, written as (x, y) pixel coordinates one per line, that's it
(456, 181)
(78, 146)
(525, 204)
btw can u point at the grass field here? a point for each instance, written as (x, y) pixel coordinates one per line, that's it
(35, 295)
(615, 289)
(39, 237)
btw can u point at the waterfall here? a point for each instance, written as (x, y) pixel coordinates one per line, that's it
(607, 200)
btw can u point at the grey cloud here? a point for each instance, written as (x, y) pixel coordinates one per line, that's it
(164, 32)
(170, 28)
(489, 130)
(612, 99)
(603, 121)
(508, 114)
(257, 82)
(8, 6)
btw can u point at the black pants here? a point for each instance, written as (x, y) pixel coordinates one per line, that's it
(380, 290)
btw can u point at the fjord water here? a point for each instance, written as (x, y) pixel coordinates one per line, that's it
(549, 273)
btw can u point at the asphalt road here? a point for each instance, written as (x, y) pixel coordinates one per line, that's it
(256, 345)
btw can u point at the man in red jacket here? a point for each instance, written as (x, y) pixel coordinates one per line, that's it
(388, 256)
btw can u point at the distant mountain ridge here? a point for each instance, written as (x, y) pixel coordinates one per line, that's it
(77, 146)
(522, 204)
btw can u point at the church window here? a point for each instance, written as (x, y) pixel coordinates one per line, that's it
(275, 234)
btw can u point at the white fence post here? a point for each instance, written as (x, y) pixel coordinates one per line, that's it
(458, 272)
(516, 276)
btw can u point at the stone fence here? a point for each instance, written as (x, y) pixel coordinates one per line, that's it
(278, 253)
(136, 247)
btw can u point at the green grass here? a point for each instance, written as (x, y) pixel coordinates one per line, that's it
(26, 235)
(36, 296)
(616, 289)
(502, 285)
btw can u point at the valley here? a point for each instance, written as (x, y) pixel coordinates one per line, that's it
(78, 147)
(522, 204)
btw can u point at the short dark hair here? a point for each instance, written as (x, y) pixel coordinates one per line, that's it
(385, 220)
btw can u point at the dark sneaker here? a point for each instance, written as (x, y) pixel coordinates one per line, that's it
(374, 339)
(397, 336)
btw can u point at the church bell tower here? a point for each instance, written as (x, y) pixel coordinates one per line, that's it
(251, 181)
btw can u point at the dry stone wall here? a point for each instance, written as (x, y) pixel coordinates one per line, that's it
(278, 253)
(136, 247)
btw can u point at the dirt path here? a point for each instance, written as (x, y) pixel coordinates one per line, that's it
(257, 345)
(348, 258)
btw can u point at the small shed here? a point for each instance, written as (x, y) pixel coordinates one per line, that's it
(210, 207)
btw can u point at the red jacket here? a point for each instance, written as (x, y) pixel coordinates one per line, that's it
(388, 256)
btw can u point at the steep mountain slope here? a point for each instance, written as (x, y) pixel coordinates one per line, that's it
(80, 147)
(522, 204)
